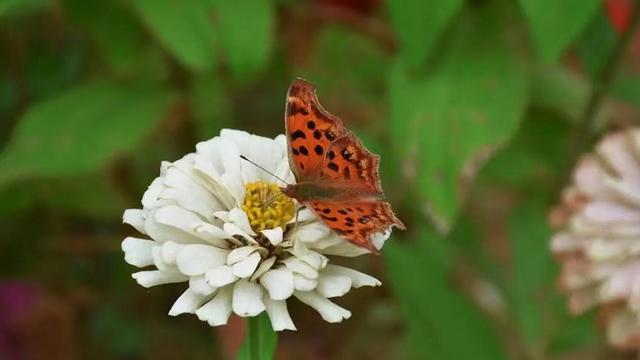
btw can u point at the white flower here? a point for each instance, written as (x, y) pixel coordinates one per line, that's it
(222, 225)
(599, 243)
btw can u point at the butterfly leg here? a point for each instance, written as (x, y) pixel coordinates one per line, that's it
(295, 223)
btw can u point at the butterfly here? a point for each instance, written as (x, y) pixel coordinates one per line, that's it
(336, 176)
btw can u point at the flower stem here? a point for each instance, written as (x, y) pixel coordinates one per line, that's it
(253, 332)
(605, 77)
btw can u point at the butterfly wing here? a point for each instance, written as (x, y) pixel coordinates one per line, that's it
(357, 221)
(331, 160)
(349, 165)
(310, 130)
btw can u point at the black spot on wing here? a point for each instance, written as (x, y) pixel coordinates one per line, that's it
(295, 151)
(330, 135)
(298, 134)
(311, 125)
(318, 149)
(303, 150)
(317, 134)
(329, 218)
(331, 154)
(333, 166)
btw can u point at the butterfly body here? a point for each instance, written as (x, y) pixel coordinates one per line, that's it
(308, 191)
(336, 176)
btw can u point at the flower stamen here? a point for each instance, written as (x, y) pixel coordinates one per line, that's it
(265, 206)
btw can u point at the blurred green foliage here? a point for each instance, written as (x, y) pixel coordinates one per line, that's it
(473, 104)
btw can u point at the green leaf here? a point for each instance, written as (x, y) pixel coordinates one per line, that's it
(118, 34)
(184, 27)
(533, 272)
(447, 121)
(441, 322)
(627, 88)
(556, 89)
(533, 158)
(15, 198)
(211, 107)
(80, 130)
(554, 24)
(119, 333)
(596, 43)
(246, 32)
(101, 200)
(264, 339)
(21, 7)
(418, 25)
(346, 68)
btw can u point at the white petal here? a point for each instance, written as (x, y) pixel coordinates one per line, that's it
(333, 285)
(233, 229)
(159, 262)
(247, 298)
(222, 215)
(197, 259)
(163, 233)
(216, 312)
(311, 232)
(220, 276)
(299, 266)
(278, 282)
(315, 259)
(278, 314)
(213, 179)
(150, 198)
(187, 303)
(156, 277)
(169, 252)
(274, 235)
(134, 218)
(345, 249)
(610, 212)
(199, 285)
(211, 231)
(358, 279)
(304, 215)
(240, 254)
(378, 239)
(329, 311)
(247, 266)
(239, 217)
(302, 283)
(137, 252)
(264, 266)
(184, 220)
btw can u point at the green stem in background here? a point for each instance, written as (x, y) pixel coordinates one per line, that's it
(260, 341)
(585, 130)
(604, 79)
(253, 334)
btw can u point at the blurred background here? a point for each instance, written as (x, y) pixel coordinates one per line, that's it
(478, 108)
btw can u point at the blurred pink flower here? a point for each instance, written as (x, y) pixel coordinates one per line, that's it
(598, 244)
(16, 300)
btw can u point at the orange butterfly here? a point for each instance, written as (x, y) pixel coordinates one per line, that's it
(336, 176)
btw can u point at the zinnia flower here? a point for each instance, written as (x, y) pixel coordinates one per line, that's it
(222, 225)
(599, 243)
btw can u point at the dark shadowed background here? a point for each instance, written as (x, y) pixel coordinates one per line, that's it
(477, 107)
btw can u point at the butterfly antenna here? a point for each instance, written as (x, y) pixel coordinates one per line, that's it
(263, 169)
(273, 198)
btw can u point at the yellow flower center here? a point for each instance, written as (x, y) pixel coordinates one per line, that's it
(266, 206)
